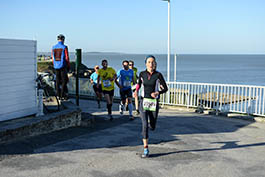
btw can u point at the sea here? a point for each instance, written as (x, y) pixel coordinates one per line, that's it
(222, 69)
(237, 69)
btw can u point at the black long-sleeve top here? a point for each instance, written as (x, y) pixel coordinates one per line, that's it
(151, 83)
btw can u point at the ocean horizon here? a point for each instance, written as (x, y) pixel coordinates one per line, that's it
(243, 69)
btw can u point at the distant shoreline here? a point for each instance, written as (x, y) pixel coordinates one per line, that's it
(90, 53)
(120, 53)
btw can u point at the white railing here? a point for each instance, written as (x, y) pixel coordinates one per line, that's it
(220, 97)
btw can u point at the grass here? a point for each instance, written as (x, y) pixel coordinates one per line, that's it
(47, 66)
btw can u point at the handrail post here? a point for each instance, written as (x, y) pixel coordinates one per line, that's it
(77, 65)
(217, 102)
(40, 103)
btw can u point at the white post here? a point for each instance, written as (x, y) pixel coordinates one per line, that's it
(168, 52)
(175, 69)
(40, 103)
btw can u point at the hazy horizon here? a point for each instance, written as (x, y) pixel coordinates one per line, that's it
(166, 53)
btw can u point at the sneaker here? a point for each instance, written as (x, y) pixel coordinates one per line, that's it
(131, 117)
(151, 128)
(146, 153)
(65, 97)
(137, 112)
(110, 117)
(121, 108)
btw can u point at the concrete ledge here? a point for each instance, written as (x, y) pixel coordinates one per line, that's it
(31, 126)
(221, 114)
(240, 116)
(209, 112)
(259, 119)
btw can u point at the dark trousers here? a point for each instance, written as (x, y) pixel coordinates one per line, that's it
(61, 82)
(145, 115)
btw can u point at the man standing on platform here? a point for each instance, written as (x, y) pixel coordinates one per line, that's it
(61, 64)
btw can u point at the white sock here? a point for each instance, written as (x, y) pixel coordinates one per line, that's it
(130, 106)
(121, 106)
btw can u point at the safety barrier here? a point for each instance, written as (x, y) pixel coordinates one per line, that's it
(220, 97)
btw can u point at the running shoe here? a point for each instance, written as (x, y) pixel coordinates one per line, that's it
(137, 112)
(151, 128)
(131, 117)
(121, 108)
(65, 98)
(110, 117)
(146, 153)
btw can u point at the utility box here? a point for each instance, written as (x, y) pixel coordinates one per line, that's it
(18, 70)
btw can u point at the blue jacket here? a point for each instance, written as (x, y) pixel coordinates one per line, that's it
(60, 56)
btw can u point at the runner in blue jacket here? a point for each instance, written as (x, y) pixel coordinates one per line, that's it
(126, 78)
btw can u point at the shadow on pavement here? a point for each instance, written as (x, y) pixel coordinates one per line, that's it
(227, 145)
(168, 128)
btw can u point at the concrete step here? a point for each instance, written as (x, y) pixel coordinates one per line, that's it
(16, 129)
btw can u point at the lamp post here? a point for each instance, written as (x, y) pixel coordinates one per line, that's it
(168, 47)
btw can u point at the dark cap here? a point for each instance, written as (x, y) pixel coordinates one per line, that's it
(60, 37)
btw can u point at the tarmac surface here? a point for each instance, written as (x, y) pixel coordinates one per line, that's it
(184, 144)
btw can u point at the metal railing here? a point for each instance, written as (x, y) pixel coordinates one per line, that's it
(220, 97)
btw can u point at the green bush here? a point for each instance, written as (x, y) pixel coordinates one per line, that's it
(44, 66)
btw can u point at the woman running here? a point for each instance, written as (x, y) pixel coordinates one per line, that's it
(150, 80)
(94, 81)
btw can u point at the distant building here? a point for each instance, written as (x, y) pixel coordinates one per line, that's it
(44, 58)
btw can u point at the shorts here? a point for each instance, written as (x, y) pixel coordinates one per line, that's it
(96, 89)
(110, 93)
(126, 94)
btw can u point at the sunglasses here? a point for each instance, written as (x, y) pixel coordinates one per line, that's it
(130, 64)
(97, 67)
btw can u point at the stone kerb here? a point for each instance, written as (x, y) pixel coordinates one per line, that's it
(69, 117)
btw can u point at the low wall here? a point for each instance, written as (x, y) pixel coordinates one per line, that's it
(32, 126)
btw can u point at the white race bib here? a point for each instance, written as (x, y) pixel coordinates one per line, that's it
(106, 83)
(127, 83)
(149, 104)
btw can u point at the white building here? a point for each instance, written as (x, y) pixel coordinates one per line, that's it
(18, 72)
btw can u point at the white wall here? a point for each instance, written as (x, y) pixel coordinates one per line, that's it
(17, 78)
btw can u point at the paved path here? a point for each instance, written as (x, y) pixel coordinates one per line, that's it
(184, 144)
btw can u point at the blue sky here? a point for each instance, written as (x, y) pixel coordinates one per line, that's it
(139, 26)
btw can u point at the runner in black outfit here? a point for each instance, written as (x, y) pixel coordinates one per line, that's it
(151, 80)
